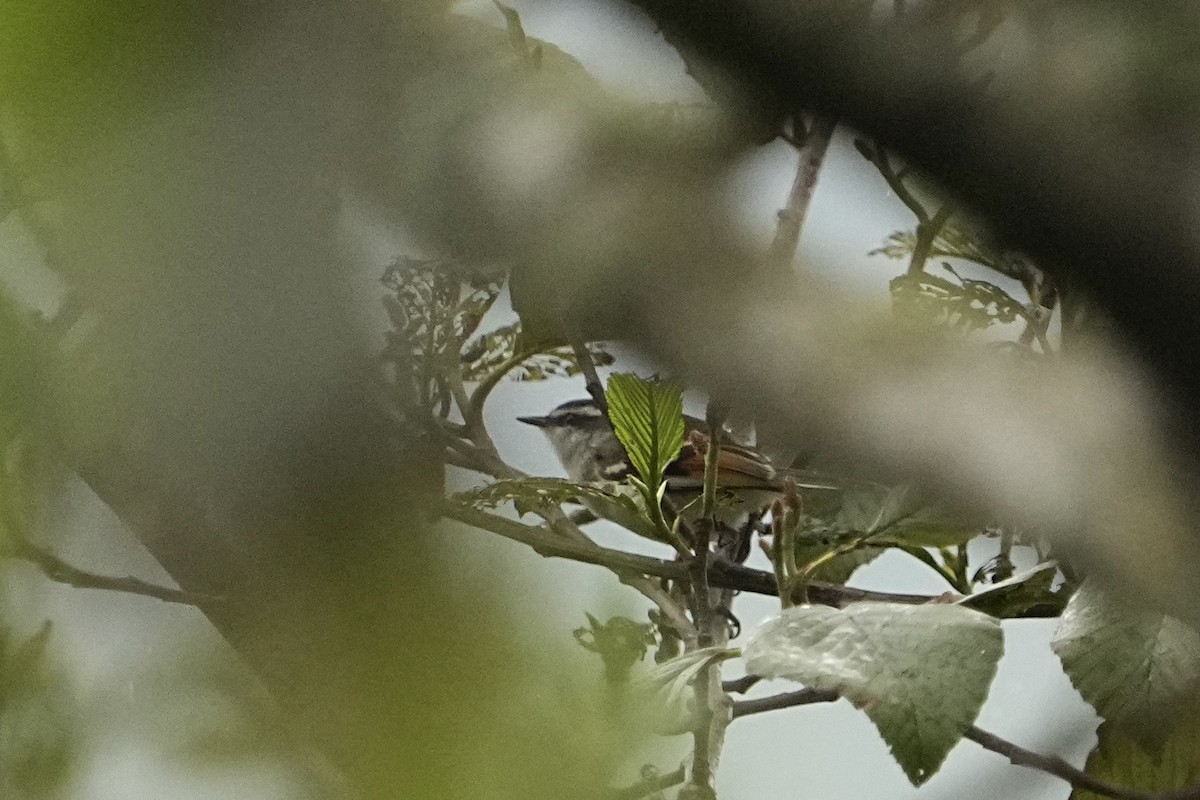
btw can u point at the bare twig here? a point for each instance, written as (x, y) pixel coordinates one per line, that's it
(709, 733)
(895, 182)
(60, 571)
(1051, 765)
(740, 685)
(802, 697)
(791, 217)
(1055, 766)
(722, 573)
(473, 413)
(595, 387)
(927, 233)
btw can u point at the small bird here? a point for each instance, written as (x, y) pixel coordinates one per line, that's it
(590, 452)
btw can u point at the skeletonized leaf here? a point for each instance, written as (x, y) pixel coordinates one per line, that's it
(648, 419)
(1134, 667)
(920, 673)
(528, 494)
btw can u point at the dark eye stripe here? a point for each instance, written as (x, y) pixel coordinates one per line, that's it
(572, 418)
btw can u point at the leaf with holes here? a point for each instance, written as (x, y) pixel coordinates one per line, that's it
(648, 419)
(613, 502)
(921, 673)
(1134, 667)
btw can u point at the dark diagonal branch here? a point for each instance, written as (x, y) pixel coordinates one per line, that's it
(60, 571)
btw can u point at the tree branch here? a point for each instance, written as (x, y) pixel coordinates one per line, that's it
(60, 571)
(802, 697)
(1061, 769)
(595, 387)
(791, 217)
(1051, 765)
(650, 783)
(723, 573)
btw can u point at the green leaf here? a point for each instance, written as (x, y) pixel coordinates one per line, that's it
(648, 419)
(1023, 591)
(1119, 760)
(920, 673)
(841, 567)
(899, 516)
(1136, 668)
(611, 501)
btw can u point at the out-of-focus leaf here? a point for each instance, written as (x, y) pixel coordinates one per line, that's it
(648, 419)
(1121, 761)
(1016, 595)
(1136, 668)
(611, 501)
(621, 642)
(485, 352)
(921, 673)
(37, 739)
(670, 686)
(969, 305)
(899, 516)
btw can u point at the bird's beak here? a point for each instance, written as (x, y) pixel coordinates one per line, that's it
(537, 422)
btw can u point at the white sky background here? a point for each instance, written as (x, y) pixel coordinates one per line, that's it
(817, 752)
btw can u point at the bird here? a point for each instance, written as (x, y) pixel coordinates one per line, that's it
(589, 451)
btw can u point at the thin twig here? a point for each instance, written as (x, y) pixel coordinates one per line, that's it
(791, 217)
(896, 183)
(927, 233)
(1051, 765)
(473, 414)
(650, 784)
(60, 571)
(1059, 768)
(587, 366)
(722, 572)
(740, 685)
(802, 697)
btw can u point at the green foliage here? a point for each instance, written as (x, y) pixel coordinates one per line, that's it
(648, 419)
(969, 305)
(613, 502)
(37, 745)
(870, 519)
(1140, 670)
(1015, 596)
(490, 350)
(621, 642)
(1121, 761)
(435, 309)
(921, 673)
